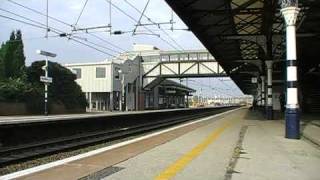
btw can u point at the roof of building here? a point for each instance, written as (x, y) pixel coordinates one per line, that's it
(243, 34)
(175, 85)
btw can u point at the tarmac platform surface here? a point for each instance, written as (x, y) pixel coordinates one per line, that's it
(238, 144)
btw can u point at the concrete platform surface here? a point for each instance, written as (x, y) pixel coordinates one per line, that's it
(236, 145)
(310, 127)
(266, 154)
(41, 118)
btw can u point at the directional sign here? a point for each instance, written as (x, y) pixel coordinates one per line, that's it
(45, 79)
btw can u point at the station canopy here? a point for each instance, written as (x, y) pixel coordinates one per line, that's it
(243, 34)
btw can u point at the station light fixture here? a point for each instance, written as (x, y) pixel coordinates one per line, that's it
(289, 3)
(45, 53)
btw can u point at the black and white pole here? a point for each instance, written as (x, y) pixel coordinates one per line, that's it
(263, 94)
(122, 93)
(290, 12)
(259, 93)
(46, 89)
(46, 79)
(269, 108)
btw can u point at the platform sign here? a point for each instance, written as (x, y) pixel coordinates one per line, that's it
(170, 91)
(45, 79)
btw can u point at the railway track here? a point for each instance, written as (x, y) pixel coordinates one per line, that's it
(9, 155)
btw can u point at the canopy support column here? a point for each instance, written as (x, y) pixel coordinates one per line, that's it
(290, 14)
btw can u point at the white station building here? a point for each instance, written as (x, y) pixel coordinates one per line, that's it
(118, 84)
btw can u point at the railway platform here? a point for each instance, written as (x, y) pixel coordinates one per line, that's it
(237, 144)
(8, 120)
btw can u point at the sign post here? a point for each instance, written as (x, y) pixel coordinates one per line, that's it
(45, 79)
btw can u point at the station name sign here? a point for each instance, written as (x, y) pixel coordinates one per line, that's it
(45, 79)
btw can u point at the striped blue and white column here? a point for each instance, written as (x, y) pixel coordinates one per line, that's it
(269, 108)
(290, 12)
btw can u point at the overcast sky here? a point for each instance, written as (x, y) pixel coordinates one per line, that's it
(96, 13)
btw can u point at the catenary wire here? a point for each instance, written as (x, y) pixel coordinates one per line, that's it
(150, 20)
(53, 18)
(58, 31)
(42, 27)
(133, 19)
(84, 6)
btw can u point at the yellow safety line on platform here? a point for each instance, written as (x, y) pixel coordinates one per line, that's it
(181, 163)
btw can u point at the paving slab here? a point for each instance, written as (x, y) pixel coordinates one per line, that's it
(268, 155)
(210, 164)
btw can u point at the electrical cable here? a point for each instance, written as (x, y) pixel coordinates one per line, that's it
(34, 25)
(139, 21)
(149, 19)
(84, 6)
(101, 39)
(31, 20)
(212, 88)
(133, 19)
(38, 12)
(30, 38)
(53, 18)
(58, 33)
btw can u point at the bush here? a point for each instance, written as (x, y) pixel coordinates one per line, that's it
(14, 90)
(63, 89)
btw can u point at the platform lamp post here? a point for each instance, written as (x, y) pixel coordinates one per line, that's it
(290, 11)
(122, 94)
(46, 79)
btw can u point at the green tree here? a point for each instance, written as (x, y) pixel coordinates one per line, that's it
(12, 55)
(63, 89)
(8, 51)
(18, 57)
(1, 63)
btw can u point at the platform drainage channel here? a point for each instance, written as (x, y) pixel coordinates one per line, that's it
(236, 154)
(102, 173)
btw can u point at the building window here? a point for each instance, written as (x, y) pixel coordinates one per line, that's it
(165, 58)
(100, 72)
(77, 72)
(116, 73)
(174, 57)
(203, 56)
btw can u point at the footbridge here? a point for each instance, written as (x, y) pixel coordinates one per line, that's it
(180, 64)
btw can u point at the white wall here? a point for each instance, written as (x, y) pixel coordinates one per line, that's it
(88, 80)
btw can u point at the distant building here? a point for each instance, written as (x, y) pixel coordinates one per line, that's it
(102, 83)
(117, 83)
(168, 94)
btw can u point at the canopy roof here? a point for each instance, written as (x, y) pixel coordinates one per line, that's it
(243, 34)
